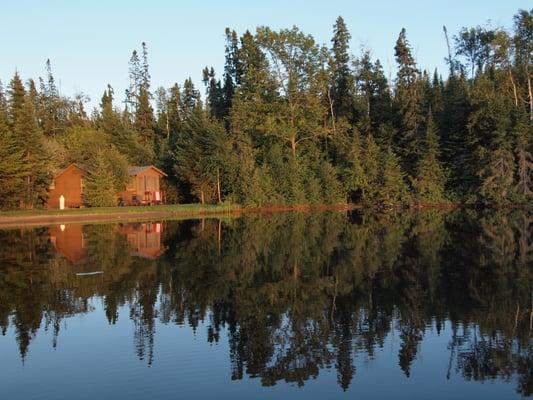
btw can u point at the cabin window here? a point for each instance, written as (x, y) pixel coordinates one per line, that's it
(52, 185)
(82, 185)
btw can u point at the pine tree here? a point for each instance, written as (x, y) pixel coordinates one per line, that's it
(430, 176)
(100, 184)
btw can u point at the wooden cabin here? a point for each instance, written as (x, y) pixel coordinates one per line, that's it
(144, 187)
(67, 184)
(66, 189)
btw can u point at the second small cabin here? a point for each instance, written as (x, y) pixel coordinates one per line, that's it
(144, 186)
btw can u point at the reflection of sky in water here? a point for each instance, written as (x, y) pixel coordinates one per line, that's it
(96, 360)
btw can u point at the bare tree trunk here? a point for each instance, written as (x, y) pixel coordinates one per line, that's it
(218, 186)
(219, 236)
(293, 147)
(202, 197)
(530, 90)
(516, 316)
(331, 110)
(514, 87)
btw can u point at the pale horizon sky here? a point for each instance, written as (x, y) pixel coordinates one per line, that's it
(89, 43)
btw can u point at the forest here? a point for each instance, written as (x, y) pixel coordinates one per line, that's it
(290, 121)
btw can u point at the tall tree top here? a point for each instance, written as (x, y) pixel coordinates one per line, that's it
(403, 54)
(340, 42)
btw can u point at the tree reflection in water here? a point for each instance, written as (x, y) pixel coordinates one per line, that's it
(293, 292)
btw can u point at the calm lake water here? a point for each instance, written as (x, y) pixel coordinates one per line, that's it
(414, 305)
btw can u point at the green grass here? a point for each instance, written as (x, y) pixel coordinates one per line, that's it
(168, 208)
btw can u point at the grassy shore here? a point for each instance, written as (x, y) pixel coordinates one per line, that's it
(166, 208)
(39, 217)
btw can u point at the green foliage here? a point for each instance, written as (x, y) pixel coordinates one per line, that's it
(393, 189)
(84, 145)
(289, 121)
(100, 188)
(408, 103)
(430, 176)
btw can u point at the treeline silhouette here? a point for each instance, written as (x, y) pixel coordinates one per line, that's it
(291, 121)
(296, 293)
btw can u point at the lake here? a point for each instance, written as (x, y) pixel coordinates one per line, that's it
(413, 305)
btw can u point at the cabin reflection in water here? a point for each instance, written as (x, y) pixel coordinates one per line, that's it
(69, 242)
(144, 239)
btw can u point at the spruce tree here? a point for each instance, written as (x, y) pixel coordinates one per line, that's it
(354, 178)
(371, 165)
(524, 158)
(12, 165)
(392, 190)
(342, 78)
(430, 176)
(144, 119)
(407, 99)
(100, 184)
(29, 141)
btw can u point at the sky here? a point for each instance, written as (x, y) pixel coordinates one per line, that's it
(89, 43)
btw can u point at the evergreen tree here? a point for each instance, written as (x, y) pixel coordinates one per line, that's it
(12, 165)
(392, 190)
(231, 71)
(524, 158)
(144, 119)
(215, 99)
(408, 98)
(49, 105)
(100, 184)
(342, 79)
(371, 164)
(355, 177)
(497, 174)
(29, 141)
(430, 176)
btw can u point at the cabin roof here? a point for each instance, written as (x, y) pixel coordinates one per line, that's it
(63, 170)
(136, 170)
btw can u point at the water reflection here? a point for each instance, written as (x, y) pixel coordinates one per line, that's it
(292, 293)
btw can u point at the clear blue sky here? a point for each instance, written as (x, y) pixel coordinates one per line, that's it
(89, 42)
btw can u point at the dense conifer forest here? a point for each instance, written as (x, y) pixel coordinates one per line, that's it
(290, 121)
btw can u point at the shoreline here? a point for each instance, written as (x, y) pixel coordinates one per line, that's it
(36, 218)
(21, 219)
